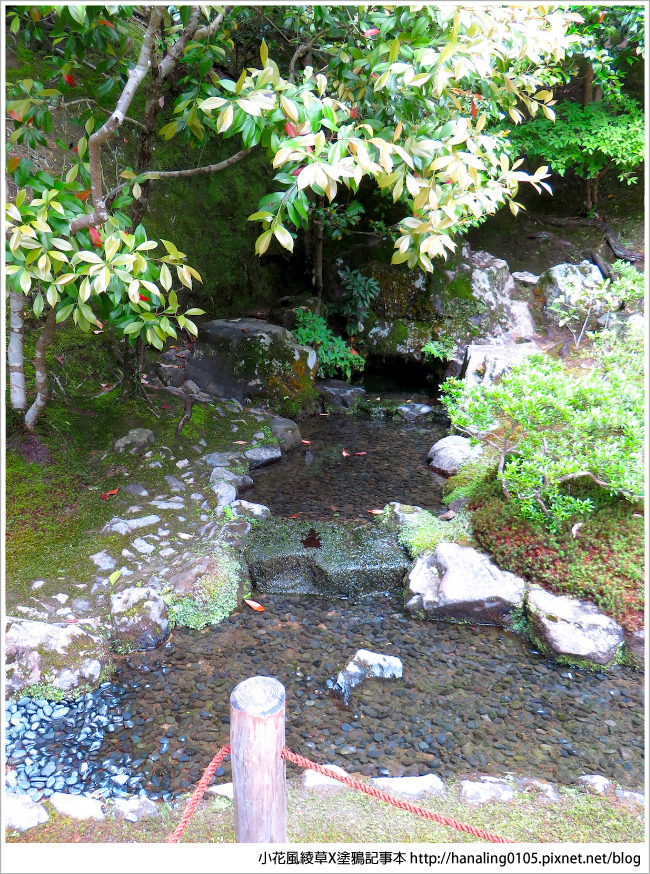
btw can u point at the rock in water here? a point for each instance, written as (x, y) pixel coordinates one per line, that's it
(367, 664)
(287, 433)
(447, 455)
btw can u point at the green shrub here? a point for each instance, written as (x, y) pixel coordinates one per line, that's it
(360, 291)
(334, 355)
(551, 428)
(425, 532)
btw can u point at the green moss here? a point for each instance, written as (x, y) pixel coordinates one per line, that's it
(421, 535)
(471, 479)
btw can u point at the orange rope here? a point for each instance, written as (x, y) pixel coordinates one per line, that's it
(191, 806)
(391, 799)
(348, 781)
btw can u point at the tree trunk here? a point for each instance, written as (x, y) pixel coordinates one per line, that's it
(42, 387)
(589, 193)
(588, 88)
(130, 374)
(15, 356)
(318, 256)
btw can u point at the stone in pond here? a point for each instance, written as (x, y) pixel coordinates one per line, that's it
(137, 440)
(338, 394)
(573, 631)
(262, 455)
(367, 664)
(457, 582)
(240, 482)
(139, 618)
(286, 432)
(447, 455)
(21, 813)
(350, 560)
(635, 647)
(401, 514)
(251, 358)
(68, 659)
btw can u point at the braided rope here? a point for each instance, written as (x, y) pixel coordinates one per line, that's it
(191, 805)
(391, 799)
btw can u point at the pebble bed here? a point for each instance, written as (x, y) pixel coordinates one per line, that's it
(471, 701)
(320, 483)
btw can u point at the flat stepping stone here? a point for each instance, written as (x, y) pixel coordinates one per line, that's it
(176, 485)
(367, 664)
(168, 505)
(102, 560)
(314, 780)
(225, 790)
(143, 546)
(350, 559)
(488, 789)
(135, 809)
(262, 455)
(76, 806)
(124, 526)
(136, 489)
(414, 786)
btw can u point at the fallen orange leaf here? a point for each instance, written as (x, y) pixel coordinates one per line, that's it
(360, 453)
(295, 515)
(240, 442)
(307, 442)
(106, 495)
(376, 512)
(254, 605)
(345, 454)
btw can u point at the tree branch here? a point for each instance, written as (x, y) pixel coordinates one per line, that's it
(300, 52)
(135, 77)
(42, 388)
(173, 55)
(210, 29)
(88, 100)
(15, 354)
(178, 174)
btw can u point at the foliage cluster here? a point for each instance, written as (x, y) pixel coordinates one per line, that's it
(334, 354)
(440, 348)
(360, 291)
(551, 428)
(424, 532)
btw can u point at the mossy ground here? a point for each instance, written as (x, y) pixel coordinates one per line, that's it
(350, 817)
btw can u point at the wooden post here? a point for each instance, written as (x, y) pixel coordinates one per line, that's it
(257, 714)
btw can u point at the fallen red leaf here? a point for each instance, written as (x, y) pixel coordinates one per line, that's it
(295, 515)
(376, 512)
(240, 442)
(95, 236)
(360, 453)
(254, 605)
(165, 406)
(307, 442)
(105, 495)
(345, 454)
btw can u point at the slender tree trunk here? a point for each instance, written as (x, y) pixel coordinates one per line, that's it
(147, 140)
(15, 355)
(129, 369)
(588, 87)
(42, 387)
(318, 255)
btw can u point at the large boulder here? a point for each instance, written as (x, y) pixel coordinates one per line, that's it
(459, 583)
(447, 455)
(139, 618)
(571, 280)
(337, 395)
(366, 664)
(253, 359)
(572, 631)
(286, 432)
(487, 362)
(55, 659)
(324, 558)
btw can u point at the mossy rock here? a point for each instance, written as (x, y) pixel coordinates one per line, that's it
(283, 557)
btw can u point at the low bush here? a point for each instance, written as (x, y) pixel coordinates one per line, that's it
(334, 355)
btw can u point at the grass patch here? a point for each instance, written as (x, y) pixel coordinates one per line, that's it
(349, 817)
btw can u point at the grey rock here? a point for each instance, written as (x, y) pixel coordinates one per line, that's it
(411, 412)
(124, 526)
(635, 647)
(137, 439)
(571, 280)
(176, 485)
(596, 783)
(222, 459)
(572, 629)
(634, 797)
(172, 504)
(225, 493)
(171, 374)
(21, 813)
(486, 363)
(143, 546)
(414, 786)
(139, 617)
(66, 658)
(460, 583)
(246, 508)
(103, 561)
(458, 504)
(240, 482)
(262, 455)
(135, 809)
(488, 789)
(338, 394)
(224, 790)
(367, 664)
(525, 277)
(286, 432)
(243, 358)
(76, 806)
(233, 533)
(401, 514)
(136, 489)
(447, 454)
(184, 580)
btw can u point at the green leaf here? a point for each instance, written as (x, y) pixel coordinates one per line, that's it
(114, 577)
(78, 12)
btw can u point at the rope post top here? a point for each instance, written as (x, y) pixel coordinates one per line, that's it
(258, 696)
